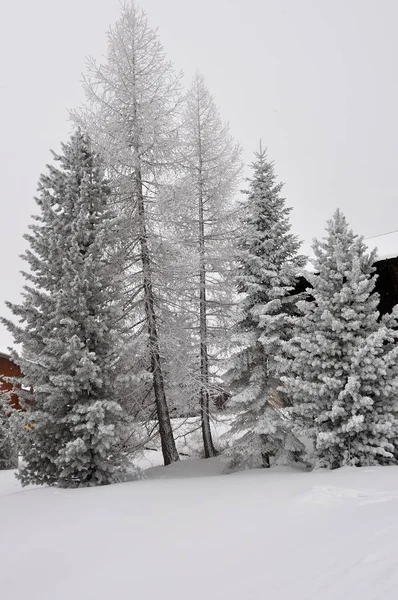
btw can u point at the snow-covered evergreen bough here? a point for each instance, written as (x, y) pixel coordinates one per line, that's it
(7, 454)
(269, 264)
(341, 369)
(68, 328)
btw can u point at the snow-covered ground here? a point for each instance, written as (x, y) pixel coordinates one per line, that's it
(189, 532)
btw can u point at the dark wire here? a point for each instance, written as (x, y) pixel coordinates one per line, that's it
(381, 234)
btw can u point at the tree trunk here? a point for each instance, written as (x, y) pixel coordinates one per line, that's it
(204, 360)
(169, 449)
(264, 454)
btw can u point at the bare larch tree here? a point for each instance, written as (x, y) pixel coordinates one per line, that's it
(211, 167)
(131, 109)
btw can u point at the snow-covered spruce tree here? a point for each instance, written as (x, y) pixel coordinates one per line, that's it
(341, 368)
(69, 329)
(131, 116)
(268, 265)
(206, 223)
(7, 451)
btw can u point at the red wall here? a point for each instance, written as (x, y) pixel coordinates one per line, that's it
(9, 369)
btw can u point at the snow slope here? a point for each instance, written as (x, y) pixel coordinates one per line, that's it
(188, 532)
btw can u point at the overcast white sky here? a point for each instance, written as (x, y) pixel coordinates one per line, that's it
(315, 79)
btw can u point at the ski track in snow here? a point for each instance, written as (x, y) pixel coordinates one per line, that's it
(326, 494)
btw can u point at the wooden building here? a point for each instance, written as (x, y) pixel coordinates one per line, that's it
(387, 283)
(8, 369)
